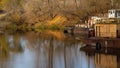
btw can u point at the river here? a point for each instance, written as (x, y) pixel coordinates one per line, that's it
(51, 49)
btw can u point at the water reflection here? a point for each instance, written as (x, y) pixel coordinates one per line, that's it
(50, 50)
(4, 48)
(107, 61)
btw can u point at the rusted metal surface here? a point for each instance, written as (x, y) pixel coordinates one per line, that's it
(105, 42)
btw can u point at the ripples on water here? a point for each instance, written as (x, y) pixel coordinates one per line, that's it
(49, 50)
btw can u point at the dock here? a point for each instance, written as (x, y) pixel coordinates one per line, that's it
(104, 42)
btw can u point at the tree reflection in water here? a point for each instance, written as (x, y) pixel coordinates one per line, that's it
(51, 50)
(4, 47)
(8, 44)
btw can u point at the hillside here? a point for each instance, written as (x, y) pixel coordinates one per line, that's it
(53, 12)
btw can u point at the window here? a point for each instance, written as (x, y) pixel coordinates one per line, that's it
(113, 11)
(118, 13)
(110, 12)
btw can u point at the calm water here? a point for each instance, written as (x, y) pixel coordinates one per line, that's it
(50, 50)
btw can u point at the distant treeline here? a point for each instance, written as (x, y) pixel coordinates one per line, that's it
(32, 11)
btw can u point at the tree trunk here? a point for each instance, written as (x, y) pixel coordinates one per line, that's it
(50, 9)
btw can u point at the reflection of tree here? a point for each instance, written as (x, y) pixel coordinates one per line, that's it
(57, 34)
(15, 43)
(65, 55)
(51, 53)
(4, 49)
(70, 53)
(31, 39)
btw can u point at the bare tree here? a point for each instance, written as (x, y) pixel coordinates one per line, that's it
(50, 8)
(42, 10)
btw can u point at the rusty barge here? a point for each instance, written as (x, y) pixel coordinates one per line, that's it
(102, 36)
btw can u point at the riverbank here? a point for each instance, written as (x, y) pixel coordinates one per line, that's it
(57, 23)
(38, 27)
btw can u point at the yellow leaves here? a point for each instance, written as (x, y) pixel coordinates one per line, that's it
(59, 19)
(2, 3)
(37, 25)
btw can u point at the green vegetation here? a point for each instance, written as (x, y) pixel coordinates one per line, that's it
(52, 27)
(12, 27)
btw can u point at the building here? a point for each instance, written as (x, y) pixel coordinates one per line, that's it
(114, 13)
(107, 30)
(93, 20)
(82, 25)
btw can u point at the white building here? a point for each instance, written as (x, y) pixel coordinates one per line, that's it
(93, 20)
(114, 13)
